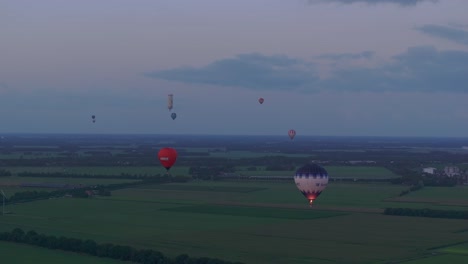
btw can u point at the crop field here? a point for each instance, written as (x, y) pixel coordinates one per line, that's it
(15, 253)
(253, 222)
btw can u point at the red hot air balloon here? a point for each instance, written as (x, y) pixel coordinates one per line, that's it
(260, 100)
(292, 133)
(167, 157)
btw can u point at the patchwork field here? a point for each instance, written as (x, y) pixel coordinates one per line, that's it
(252, 222)
(455, 196)
(15, 253)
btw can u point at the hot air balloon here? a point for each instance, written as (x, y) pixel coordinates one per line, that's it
(311, 179)
(173, 115)
(167, 157)
(292, 133)
(94, 118)
(170, 101)
(260, 100)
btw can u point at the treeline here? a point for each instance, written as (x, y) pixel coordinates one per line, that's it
(413, 188)
(451, 214)
(82, 175)
(391, 158)
(105, 250)
(28, 196)
(412, 177)
(84, 192)
(4, 173)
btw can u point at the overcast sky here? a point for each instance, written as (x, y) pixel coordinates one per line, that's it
(334, 67)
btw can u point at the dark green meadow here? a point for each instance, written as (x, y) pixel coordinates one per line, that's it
(254, 222)
(15, 253)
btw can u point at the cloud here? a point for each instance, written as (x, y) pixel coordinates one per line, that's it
(419, 69)
(457, 35)
(253, 71)
(374, 2)
(347, 56)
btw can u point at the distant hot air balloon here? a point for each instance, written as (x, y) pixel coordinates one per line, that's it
(94, 118)
(173, 115)
(167, 157)
(170, 101)
(292, 133)
(311, 179)
(260, 100)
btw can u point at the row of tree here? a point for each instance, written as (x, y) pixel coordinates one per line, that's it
(451, 214)
(82, 175)
(333, 158)
(413, 188)
(412, 177)
(84, 192)
(4, 173)
(106, 250)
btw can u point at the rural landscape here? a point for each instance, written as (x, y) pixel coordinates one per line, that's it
(231, 199)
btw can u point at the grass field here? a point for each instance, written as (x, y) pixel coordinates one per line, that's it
(19, 253)
(455, 196)
(253, 222)
(439, 259)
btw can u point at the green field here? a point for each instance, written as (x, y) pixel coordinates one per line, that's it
(439, 259)
(101, 170)
(450, 254)
(253, 222)
(455, 196)
(19, 253)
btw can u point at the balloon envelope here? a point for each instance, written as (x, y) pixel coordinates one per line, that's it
(173, 116)
(170, 101)
(260, 100)
(311, 179)
(167, 157)
(292, 133)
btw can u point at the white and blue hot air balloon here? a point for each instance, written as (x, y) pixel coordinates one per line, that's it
(311, 179)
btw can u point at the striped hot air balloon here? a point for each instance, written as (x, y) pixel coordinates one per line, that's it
(311, 179)
(292, 133)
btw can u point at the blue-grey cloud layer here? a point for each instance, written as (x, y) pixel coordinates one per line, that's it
(253, 71)
(374, 2)
(419, 69)
(347, 56)
(457, 35)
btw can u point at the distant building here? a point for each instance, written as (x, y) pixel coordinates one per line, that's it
(429, 170)
(451, 171)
